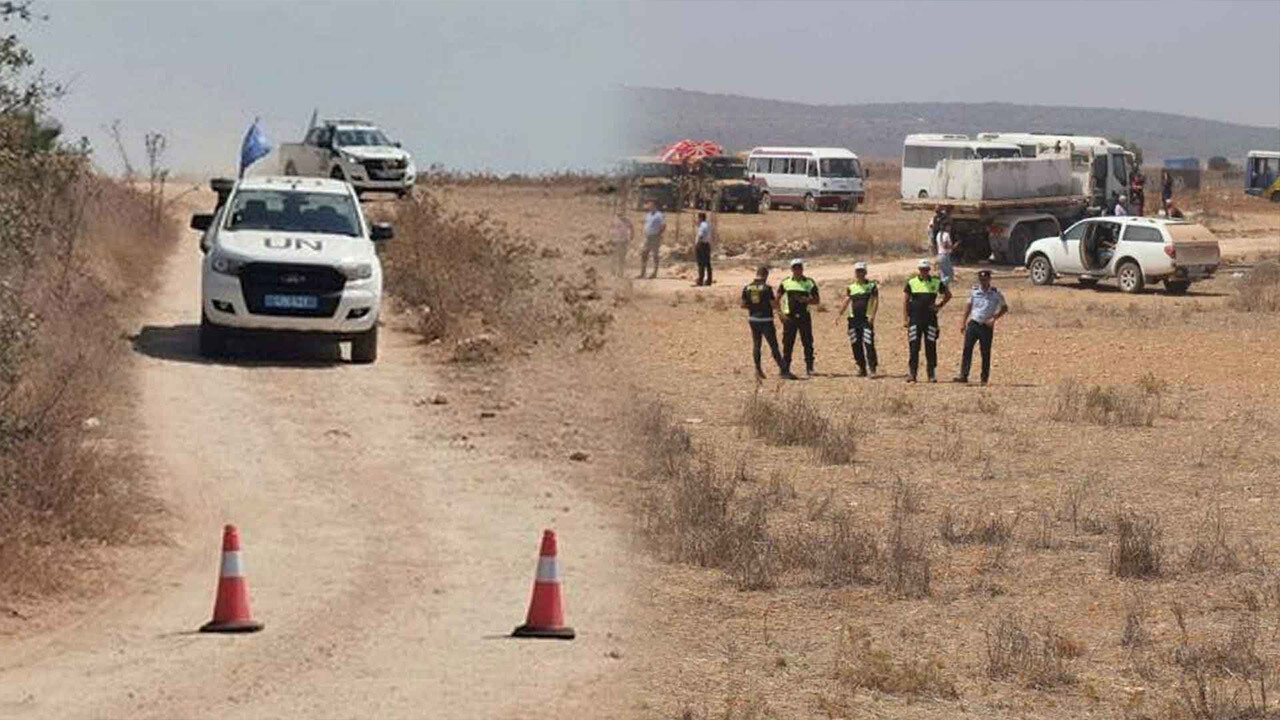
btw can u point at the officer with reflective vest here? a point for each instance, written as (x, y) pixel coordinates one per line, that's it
(862, 298)
(920, 308)
(795, 295)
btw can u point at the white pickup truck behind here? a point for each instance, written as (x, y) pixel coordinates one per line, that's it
(352, 150)
(290, 255)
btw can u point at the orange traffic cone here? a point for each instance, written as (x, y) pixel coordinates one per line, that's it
(231, 610)
(546, 614)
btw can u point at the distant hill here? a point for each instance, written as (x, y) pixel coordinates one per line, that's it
(658, 116)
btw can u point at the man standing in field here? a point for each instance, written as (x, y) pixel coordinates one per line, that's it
(655, 223)
(702, 249)
(796, 294)
(862, 298)
(920, 308)
(944, 247)
(986, 305)
(760, 302)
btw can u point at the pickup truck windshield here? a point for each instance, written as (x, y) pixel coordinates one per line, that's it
(358, 136)
(729, 171)
(840, 168)
(293, 211)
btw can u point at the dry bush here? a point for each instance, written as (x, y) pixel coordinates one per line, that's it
(992, 528)
(1259, 291)
(839, 554)
(907, 497)
(77, 252)
(692, 513)
(1113, 405)
(860, 665)
(1212, 548)
(1223, 678)
(1138, 551)
(1040, 657)
(897, 404)
(797, 421)
(1151, 384)
(907, 569)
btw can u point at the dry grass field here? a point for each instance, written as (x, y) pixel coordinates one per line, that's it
(1092, 535)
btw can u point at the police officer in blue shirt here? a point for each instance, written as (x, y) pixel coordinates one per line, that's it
(986, 305)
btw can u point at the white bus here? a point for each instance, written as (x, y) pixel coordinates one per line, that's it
(922, 153)
(807, 177)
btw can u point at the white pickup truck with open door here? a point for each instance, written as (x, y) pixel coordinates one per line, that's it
(1135, 251)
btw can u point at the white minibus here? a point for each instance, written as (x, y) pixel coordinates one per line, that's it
(810, 178)
(922, 153)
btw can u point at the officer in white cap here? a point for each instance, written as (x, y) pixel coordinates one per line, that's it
(795, 295)
(920, 309)
(862, 298)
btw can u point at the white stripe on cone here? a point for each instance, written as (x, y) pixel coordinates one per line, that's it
(548, 570)
(231, 564)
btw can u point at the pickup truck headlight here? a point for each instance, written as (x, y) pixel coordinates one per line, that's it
(358, 271)
(225, 265)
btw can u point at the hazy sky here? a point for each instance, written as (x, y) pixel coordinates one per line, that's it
(521, 86)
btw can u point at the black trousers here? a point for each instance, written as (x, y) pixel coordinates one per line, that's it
(802, 324)
(862, 338)
(982, 335)
(703, 253)
(764, 331)
(923, 328)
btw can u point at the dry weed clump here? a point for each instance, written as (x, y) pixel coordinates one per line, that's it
(860, 665)
(1212, 549)
(839, 554)
(1259, 291)
(1226, 678)
(1040, 656)
(908, 570)
(798, 421)
(1138, 551)
(1113, 405)
(992, 528)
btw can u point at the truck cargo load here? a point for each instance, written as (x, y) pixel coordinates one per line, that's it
(1003, 179)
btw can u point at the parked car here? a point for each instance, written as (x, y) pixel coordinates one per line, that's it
(1135, 251)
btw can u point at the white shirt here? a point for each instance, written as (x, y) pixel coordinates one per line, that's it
(704, 232)
(1119, 210)
(654, 223)
(944, 242)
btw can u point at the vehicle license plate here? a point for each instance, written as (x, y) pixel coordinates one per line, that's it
(291, 302)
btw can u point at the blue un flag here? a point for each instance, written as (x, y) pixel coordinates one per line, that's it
(254, 147)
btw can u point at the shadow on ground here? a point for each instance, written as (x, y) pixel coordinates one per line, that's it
(180, 343)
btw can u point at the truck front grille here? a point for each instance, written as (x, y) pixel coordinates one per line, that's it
(257, 280)
(385, 169)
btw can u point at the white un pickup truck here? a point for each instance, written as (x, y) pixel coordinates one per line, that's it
(290, 255)
(352, 150)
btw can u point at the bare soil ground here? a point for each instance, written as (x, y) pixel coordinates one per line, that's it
(1016, 494)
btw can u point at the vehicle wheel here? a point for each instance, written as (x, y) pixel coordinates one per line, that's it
(1275, 197)
(364, 348)
(1130, 277)
(1018, 242)
(923, 194)
(766, 204)
(1041, 271)
(291, 170)
(337, 174)
(810, 204)
(1176, 287)
(752, 208)
(213, 339)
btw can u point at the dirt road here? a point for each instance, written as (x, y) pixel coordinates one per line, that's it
(387, 558)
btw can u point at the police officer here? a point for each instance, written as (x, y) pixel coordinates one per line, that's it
(795, 295)
(986, 305)
(862, 298)
(920, 308)
(760, 302)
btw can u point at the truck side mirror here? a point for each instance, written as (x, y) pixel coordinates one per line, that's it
(866, 174)
(381, 232)
(396, 143)
(201, 221)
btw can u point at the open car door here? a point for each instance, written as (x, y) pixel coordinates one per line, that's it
(1097, 249)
